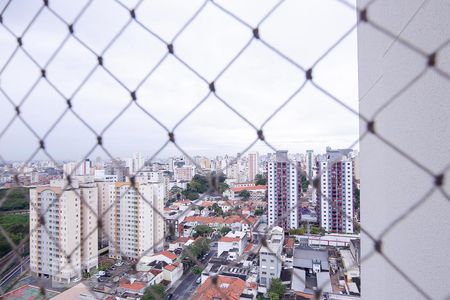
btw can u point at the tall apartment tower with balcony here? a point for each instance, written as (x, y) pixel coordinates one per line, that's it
(336, 190)
(63, 238)
(136, 227)
(283, 192)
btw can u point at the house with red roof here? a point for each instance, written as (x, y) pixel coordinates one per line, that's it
(146, 263)
(132, 287)
(173, 272)
(224, 288)
(257, 192)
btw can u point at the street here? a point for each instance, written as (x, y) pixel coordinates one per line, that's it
(187, 286)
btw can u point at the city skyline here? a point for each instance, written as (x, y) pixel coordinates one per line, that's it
(255, 86)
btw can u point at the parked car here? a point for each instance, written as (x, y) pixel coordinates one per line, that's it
(199, 280)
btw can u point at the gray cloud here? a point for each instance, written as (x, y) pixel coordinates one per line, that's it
(255, 85)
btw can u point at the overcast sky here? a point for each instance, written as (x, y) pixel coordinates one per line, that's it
(256, 84)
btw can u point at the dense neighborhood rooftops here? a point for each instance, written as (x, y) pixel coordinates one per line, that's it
(226, 287)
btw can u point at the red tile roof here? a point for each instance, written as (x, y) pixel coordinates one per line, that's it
(249, 188)
(135, 286)
(170, 267)
(226, 288)
(182, 239)
(227, 239)
(219, 220)
(168, 254)
(289, 243)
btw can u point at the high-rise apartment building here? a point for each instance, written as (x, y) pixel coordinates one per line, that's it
(105, 202)
(63, 239)
(252, 165)
(310, 164)
(283, 192)
(136, 227)
(185, 173)
(335, 201)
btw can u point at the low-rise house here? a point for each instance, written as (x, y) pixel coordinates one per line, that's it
(224, 287)
(180, 243)
(234, 242)
(132, 287)
(146, 263)
(257, 192)
(173, 272)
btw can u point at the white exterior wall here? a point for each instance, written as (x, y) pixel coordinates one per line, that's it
(159, 192)
(135, 227)
(105, 201)
(62, 221)
(417, 122)
(89, 229)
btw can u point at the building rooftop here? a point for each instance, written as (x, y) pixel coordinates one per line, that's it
(135, 286)
(249, 188)
(304, 257)
(168, 254)
(227, 239)
(226, 287)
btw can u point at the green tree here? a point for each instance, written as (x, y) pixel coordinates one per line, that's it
(277, 289)
(104, 266)
(217, 209)
(260, 179)
(259, 212)
(197, 270)
(317, 230)
(224, 230)
(201, 230)
(223, 187)
(244, 194)
(154, 292)
(298, 231)
(16, 198)
(195, 250)
(190, 195)
(305, 183)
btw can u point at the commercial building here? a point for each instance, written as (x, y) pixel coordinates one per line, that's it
(283, 192)
(63, 239)
(336, 186)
